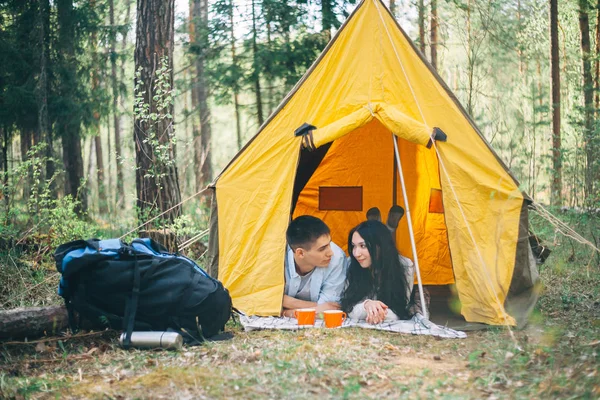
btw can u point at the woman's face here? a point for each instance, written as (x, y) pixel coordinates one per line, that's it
(360, 251)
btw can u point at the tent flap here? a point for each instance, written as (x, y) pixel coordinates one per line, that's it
(391, 117)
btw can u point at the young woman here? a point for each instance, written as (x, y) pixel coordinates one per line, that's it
(379, 280)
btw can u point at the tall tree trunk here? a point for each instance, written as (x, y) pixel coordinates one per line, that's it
(470, 62)
(26, 142)
(4, 165)
(588, 96)
(205, 174)
(519, 27)
(68, 126)
(422, 26)
(234, 61)
(269, 71)
(327, 16)
(42, 91)
(256, 68)
(434, 33)
(597, 63)
(195, 29)
(102, 206)
(556, 187)
(115, 100)
(90, 161)
(118, 143)
(102, 209)
(156, 178)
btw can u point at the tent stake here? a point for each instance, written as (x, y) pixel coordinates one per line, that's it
(410, 229)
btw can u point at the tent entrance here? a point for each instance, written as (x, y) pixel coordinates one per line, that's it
(364, 160)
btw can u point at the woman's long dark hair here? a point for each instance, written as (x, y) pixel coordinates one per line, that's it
(386, 278)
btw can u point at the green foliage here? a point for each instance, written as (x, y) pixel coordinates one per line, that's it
(156, 114)
(43, 214)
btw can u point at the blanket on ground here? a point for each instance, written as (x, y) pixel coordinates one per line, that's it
(417, 325)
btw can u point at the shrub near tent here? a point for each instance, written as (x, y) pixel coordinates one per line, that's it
(369, 88)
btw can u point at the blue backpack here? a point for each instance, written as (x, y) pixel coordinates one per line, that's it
(139, 286)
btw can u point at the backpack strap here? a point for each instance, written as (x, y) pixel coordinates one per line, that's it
(132, 303)
(71, 313)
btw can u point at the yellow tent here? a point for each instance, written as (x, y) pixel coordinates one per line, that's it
(368, 83)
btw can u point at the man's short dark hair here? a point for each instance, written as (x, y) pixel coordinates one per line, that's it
(304, 231)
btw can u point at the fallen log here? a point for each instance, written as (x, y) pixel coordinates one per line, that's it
(33, 322)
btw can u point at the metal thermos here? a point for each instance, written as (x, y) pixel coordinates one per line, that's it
(151, 340)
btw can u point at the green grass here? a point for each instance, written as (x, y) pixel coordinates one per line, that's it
(555, 356)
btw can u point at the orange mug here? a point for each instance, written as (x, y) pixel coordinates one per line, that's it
(334, 318)
(305, 316)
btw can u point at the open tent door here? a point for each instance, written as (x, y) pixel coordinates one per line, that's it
(363, 159)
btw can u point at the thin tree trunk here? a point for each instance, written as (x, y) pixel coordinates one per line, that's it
(256, 71)
(470, 62)
(100, 175)
(434, 34)
(556, 187)
(519, 51)
(588, 96)
(236, 104)
(68, 127)
(157, 182)
(269, 71)
(205, 117)
(118, 143)
(327, 17)
(197, 139)
(26, 141)
(202, 136)
(597, 64)
(102, 208)
(42, 92)
(188, 160)
(91, 164)
(115, 100)
(422, 26)
(4, 165)
(109, 171)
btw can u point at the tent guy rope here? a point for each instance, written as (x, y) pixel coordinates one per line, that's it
(561, 227)
(164, 212)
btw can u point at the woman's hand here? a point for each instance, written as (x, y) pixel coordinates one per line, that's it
(376, 311)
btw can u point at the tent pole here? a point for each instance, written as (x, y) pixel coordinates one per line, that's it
(410, 228)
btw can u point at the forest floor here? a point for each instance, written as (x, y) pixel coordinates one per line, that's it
(555, 356)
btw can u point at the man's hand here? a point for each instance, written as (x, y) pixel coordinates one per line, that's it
(288, 313)
(327, 306)
(376, 311)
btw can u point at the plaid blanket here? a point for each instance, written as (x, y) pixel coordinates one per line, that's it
(417, 325)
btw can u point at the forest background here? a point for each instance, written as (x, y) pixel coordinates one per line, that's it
(96, 138)
(86, 151)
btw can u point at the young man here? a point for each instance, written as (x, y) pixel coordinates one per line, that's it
(315, 270)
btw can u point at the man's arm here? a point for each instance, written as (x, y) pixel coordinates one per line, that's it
(292, 303)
